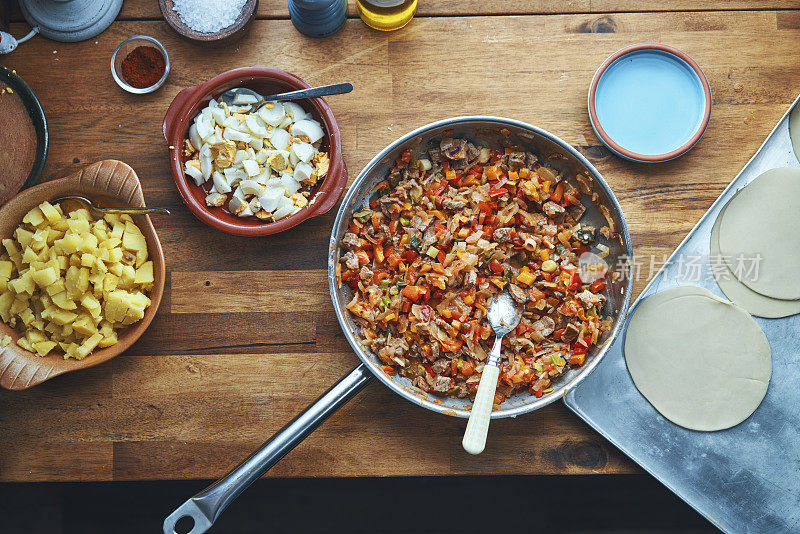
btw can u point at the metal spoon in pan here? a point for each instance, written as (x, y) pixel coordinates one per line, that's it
(98, 213)
(242, 96)
(504, 315)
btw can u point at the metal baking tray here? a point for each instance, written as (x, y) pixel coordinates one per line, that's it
(744, 479)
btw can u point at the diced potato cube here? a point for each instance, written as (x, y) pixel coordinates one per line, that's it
(115, 268)
(43, 347)
(6, 268)
(25, 344)
(63, 317)
(34, 217)
(110, 282)
(68, 244)
(52, 213)
(87, 260)
(84, 325)
(23, 236)
(63, 301)
(144, 274)
(78, 225)
(127, 276)
(56, 287)
(45, 277)
(88, 346)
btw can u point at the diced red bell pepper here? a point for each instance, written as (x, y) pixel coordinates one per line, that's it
(597, 285)
(429, 369)
(581, 348)
(570, 308)
(441, 256)
(558, 193)
(453, 345)
(577, 359)
(575, 282)
(496, 267)
(409, 255)
(535, 294)
(411, 275)
(388, 369)
(411, 292)
(393, 226)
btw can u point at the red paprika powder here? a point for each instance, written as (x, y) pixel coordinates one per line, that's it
(143, 67)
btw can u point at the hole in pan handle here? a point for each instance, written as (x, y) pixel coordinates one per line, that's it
(205, 507)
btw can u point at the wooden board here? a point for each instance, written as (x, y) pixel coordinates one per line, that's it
(223, 367)
(277, 9)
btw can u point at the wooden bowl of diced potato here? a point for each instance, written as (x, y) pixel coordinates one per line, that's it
(74, 291)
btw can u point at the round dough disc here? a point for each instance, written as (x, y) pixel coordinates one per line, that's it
(762, 220)
(702, 362)
(794, 130)
(755, 303)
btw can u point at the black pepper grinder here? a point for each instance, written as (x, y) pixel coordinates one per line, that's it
(318, 18)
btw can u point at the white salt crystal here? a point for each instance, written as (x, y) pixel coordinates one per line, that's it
(208, 16)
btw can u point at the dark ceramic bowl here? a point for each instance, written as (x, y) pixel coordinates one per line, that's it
(266, 81)
(31, 103)
(224, 37)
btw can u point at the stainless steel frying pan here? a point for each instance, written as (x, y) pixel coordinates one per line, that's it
(206, 506)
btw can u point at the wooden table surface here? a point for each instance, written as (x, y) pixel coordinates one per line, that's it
(223, 366)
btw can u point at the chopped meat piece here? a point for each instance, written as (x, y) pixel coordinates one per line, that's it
(570, 333)
(441, 366)
(443, 384)
(460, 391)
(532, 220)
(516, 160)
(576, 211)
(394, 177)
(421, 383)
(453, 148)
(393, 347)
(517, 293)
(455, 205)
(385, 204)
(530, 160)
(350, 240)
(429, 238)
(472, 152)
(365, 275)
(350, 260)
(544, 326)
(552, 209)
(435, 155)
(410, 174)
(590, 299)
(502, 235)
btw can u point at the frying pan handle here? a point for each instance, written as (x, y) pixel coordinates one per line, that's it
(205, 507)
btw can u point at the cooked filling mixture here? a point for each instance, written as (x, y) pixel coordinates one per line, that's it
(17, 144)
(448, 232)
(261, 163)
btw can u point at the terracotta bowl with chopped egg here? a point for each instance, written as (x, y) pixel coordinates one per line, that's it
(180, 117)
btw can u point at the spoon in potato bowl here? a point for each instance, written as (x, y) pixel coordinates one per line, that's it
(98, 212)
(242, 96)
(504, 315)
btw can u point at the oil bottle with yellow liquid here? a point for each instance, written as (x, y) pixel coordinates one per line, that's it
(386, 15)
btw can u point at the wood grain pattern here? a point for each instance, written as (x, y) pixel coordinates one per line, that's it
(222, 367)
(277, 9)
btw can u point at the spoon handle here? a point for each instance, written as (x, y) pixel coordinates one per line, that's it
(324, 90)
(135, 211)
(478, 425)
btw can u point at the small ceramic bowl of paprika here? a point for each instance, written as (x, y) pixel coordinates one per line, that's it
(140, 64)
